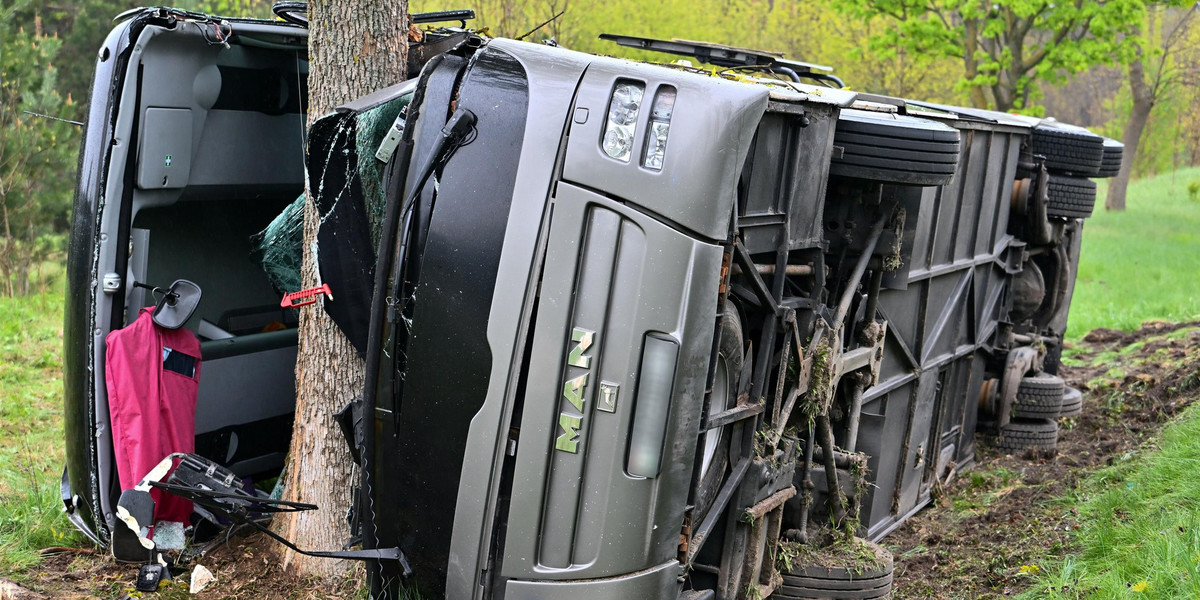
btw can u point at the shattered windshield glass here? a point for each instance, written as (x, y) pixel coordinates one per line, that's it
(347, 180)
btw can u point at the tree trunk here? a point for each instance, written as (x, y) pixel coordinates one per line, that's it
(970, 65)
(355, 47)
(1143, 103)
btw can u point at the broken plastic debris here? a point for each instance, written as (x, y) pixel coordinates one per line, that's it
(131, 521)
(388, 146)
(201, 578)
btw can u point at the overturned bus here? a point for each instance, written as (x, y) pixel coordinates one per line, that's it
(631, 330)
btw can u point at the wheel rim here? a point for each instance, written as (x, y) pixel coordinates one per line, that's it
(718, 402)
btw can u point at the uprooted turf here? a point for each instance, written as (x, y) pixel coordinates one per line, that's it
(1026, 524)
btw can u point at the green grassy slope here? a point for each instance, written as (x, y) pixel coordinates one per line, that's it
(1141, 264)
(31, 445)
(1138, 520)
(1139, 525)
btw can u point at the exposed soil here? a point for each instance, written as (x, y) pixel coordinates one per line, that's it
(990, 529)
(244, 569)
(985, 535)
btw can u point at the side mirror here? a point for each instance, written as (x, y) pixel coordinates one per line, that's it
(177, 304)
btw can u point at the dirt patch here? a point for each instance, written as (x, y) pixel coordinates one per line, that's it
(989, 531)
(244, 569)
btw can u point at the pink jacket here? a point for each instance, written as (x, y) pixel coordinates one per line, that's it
(152, 375)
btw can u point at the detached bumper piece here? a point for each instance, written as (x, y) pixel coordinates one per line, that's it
(212, 487)
(217, 495)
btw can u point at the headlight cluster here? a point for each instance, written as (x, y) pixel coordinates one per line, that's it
(623, 110)
(621, 128)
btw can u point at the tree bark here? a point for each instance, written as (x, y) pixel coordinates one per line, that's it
(355, 47)
(970, 64)
(1143, 103)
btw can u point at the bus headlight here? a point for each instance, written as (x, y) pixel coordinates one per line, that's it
(623, 109)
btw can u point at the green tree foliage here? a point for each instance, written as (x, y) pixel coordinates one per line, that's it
(35, 178)
(1007, 46)
(993, 54)
(82, 25)
(80, 28)
(1153, 76)
(255, 9)
(805, 31)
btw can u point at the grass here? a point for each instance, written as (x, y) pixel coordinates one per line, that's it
(1139, 525)
(1140, 264)
(985, 487)
(31, 462)
(31, 448)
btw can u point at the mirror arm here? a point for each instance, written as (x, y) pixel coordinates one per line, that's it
(156, 289)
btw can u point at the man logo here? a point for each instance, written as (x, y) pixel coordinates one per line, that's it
(575, 391)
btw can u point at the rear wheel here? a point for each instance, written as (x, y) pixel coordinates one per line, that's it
(841, 578)
(1072, 405)
(1074, 151)
(714, 443)
(1039, 397)
(1036, 434)
(893, 148)
(1070, 197)
(1110, 164)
